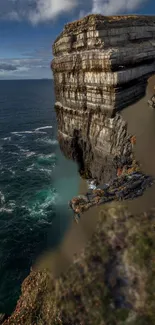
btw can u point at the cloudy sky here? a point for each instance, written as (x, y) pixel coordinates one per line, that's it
(28, 28)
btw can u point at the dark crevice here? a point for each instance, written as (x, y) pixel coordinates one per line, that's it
(77, 150)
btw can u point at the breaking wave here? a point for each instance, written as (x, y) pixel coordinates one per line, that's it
(2, 198)
(48, 141)
(44, 127)
(28, 200)
(7, 139)
(33, 215)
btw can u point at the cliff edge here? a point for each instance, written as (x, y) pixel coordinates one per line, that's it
(101, 65)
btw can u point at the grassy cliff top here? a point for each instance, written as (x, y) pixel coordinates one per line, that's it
(104, 21)
(96, 18)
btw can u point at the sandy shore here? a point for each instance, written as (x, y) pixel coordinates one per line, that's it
(74, 241)
(141, 122)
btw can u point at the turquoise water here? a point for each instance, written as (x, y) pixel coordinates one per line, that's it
(36, 182)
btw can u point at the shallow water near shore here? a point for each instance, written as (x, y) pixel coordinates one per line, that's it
(74, 240)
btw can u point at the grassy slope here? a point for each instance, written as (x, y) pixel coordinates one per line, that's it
(86, 294)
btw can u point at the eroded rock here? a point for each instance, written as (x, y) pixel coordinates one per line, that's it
(125, 187)
(151, 102)
(101, 65)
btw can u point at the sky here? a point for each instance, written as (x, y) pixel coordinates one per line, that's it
(29, 27)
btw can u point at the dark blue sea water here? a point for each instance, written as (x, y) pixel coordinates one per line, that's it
(36, 182)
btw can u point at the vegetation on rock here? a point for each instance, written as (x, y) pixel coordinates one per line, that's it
(111, 283)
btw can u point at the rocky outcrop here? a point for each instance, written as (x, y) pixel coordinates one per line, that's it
(151, 102)
(99, 144)
(129, 185)
(101, 64)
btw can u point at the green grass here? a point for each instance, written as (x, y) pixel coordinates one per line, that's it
(81, 295)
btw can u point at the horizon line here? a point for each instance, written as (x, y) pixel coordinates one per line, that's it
(26, 79)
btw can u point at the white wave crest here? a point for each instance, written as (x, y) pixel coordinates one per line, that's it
(41, 169)
(44, 127)
(51, 155)
(12, 204)
(6, 210)
(39, 208)
(28, 169)
(53, 142)
(45, 170)
(48, 141)
(39, 132)
(30, 153)
(27, 152)
(6, 139)
(20, 133)
(13, 153)
(2, 198)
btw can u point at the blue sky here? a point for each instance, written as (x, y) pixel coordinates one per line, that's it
(29, 27)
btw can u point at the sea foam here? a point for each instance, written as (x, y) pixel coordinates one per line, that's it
(44, 127)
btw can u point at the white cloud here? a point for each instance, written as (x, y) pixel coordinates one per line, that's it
(25, 68)
(34, 10)
(48, 9)
(13, 16)
(37, 11)
(14, 66)
(112, 7)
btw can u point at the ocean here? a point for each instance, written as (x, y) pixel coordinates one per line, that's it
(36, 182)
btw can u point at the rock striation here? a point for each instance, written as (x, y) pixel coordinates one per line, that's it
(101, 65)
(103, 62)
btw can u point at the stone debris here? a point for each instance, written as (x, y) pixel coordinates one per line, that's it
(126, 186)
(151, 102)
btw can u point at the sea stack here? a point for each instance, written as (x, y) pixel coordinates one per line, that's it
(100, 66)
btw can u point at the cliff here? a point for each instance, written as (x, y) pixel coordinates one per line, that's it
(112, 282)
(101, 65)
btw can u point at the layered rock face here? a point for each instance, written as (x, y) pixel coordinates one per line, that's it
(99, 144)
(101, 65)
